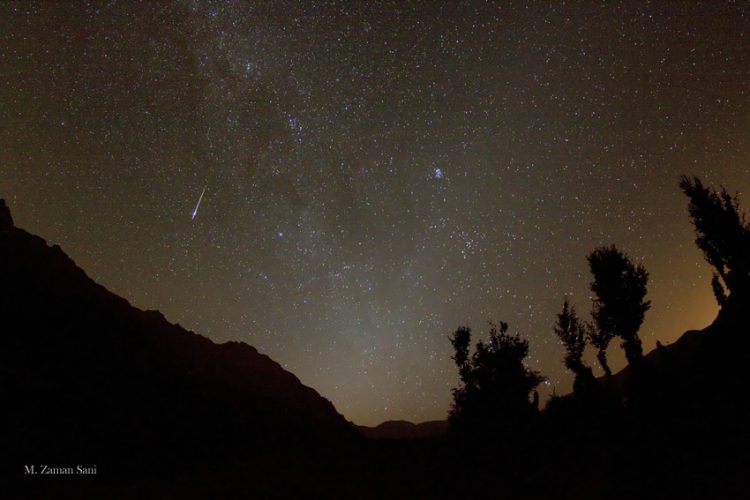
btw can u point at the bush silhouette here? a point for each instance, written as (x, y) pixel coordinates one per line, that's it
(495, 385)
(723, 234)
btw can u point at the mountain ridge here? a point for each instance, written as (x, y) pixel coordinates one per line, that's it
(404, 429)
(123, 382)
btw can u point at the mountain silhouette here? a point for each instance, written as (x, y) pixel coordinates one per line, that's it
(403, 429)
(86, 378)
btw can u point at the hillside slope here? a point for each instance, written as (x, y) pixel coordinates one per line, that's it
(87, 378)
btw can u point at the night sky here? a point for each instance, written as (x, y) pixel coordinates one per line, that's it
(375, 174)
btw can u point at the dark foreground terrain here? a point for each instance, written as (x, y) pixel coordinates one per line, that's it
(86, 379)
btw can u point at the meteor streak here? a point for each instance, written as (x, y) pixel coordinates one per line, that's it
(197, 205)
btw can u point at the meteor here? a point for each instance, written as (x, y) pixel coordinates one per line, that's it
(197, 205)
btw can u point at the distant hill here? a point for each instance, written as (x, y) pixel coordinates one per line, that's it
(87, 378)
(402, 429)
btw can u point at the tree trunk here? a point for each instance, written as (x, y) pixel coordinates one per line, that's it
(602, 357)
(633, 350)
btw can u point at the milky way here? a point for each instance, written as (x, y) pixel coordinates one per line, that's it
(379, 173)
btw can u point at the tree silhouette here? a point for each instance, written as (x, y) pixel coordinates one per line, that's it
(723, 234)
(600, 340)
(572, 333)
(495, 384)
(619, 308)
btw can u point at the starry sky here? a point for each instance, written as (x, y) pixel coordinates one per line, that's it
(375, 173)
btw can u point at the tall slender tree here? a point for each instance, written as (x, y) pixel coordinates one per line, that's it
(723, 234)
(572, 333)
(619, 306)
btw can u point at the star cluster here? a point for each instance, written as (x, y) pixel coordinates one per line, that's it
(376, 173)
